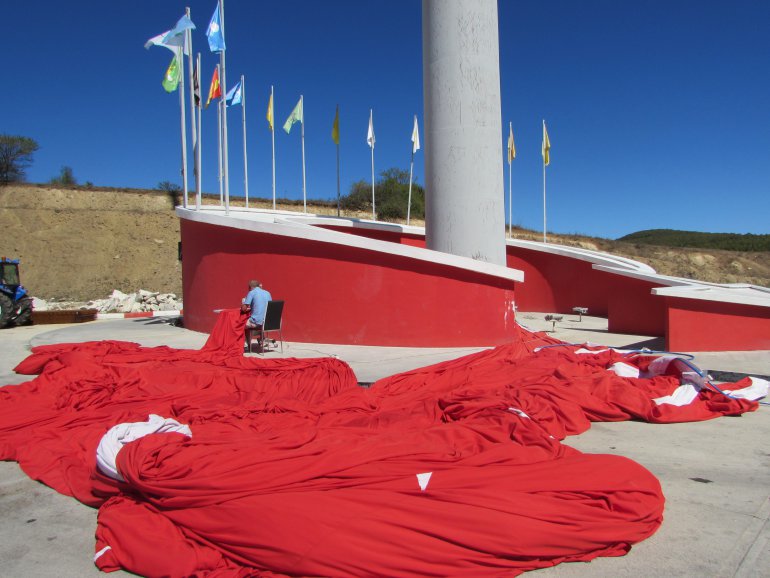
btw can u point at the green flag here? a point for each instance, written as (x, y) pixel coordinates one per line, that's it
(295, 116)
(171, 79)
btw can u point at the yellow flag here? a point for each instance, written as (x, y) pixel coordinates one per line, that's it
(270, 111)
(511, 146)
(336, 127)
(546, 147)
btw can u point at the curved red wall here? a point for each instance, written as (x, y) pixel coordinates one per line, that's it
(340, 294)
(556, 283)
(698, 325)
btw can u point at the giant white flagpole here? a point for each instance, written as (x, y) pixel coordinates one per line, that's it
(272, 134)
(304, 191)
(222, 78)
(193, 124)
(370, 140)
(180, 62)
(245, 161)
(198, 157)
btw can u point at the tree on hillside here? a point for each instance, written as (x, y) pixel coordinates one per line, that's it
(391, 193)
(15, 157)
(169, 187)
(66, 177)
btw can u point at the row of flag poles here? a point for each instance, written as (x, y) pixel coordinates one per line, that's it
(179, 41)
(545, 151)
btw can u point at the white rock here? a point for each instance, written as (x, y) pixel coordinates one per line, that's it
(39, 304)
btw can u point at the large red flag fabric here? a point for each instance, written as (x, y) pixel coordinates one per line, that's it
(251, 467)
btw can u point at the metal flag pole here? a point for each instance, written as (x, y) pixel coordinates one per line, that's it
(544, 153)
(193, 124)
(371, 128)
(415, 148)
(304, 192)
(245, 158)
(225, 156)
(220, 176)
(272, 134)
(409, 202)
(198, 157)
(510, 190)
(180, 63)
(338, 160)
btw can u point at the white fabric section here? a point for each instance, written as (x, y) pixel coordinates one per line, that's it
(591, 351)
(121, 434)
(683, 395)
(624, 369)
(518, 412)
(101, 552)
(700, 381)
(423, 480)
(658, 366)
(757, 390)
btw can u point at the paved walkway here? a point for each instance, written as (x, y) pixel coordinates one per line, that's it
(715, 474)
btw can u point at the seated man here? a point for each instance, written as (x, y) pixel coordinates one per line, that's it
(255, 302)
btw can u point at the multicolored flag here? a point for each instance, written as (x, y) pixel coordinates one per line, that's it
(511, 146)
(336, 127)
(546, 147)
(269, 114)
(295, 116)
(214, 32)
(234, 95)
(214, 91)
(415, 137)
(370, 133)
(171, 78)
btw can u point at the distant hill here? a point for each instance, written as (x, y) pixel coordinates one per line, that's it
(692, 239)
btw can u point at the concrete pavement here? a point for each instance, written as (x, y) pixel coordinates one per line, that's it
(715, 474)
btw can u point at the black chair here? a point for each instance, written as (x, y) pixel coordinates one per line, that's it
(273, 316)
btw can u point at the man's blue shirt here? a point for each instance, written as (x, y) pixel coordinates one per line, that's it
(257, 299)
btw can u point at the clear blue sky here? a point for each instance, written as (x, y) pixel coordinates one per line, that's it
(658, 112)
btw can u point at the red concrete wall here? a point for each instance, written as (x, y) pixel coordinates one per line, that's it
(632, 308)
(695, 325)
(555, 283)
(338, 294)
(395, 236)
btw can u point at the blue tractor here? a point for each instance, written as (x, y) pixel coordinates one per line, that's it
(15, 303)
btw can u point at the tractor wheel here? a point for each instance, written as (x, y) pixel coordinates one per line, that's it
(24, 315)
(6, 310)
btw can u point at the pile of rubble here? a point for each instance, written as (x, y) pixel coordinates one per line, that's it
(119, 302)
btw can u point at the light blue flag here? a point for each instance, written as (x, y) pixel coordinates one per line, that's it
(214, 32)
(176, 36)
(234, 95)
(158, 41)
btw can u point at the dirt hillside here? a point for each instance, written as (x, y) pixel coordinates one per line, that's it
(81, 243)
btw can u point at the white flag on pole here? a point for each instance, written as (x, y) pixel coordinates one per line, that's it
(370, 134)
(415, 136)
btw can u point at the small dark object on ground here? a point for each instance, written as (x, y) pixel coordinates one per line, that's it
(63, 316)
(732, 376)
